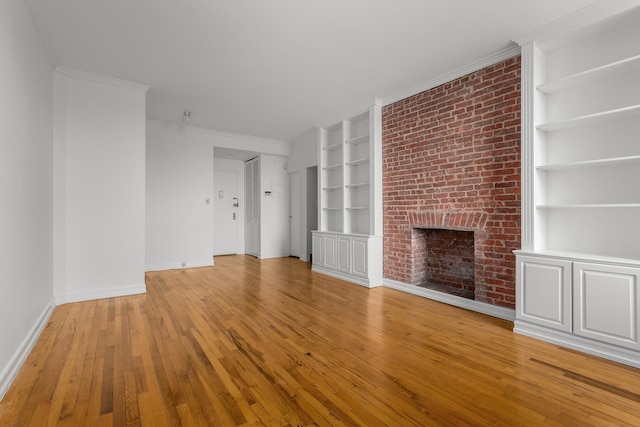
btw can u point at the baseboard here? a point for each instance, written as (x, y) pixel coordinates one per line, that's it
(273, 255)
(20, 356)
(362, 281)
(564, 339)
(178, 265)
(100, 294)
(480, 307)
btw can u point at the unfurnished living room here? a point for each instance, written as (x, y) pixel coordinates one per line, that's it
(287, 213)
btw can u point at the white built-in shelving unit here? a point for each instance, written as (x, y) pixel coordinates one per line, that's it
(348, 243)
(578, 272)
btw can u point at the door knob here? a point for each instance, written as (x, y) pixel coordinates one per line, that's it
(234, 216)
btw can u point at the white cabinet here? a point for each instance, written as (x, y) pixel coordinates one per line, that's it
(590, 306)
(606, 301)
(348, 257)
(578, 267)
(350, 195)
(543, 294)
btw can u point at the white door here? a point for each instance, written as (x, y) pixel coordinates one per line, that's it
(252, 207)
(225, 213)
(294, 213)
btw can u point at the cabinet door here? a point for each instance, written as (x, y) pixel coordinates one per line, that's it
(606, 302)
(330, 255)
(543, 294)
(360, 257)
(318, 252)
(344, 247)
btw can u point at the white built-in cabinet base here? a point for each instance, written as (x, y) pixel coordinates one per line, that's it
(356, 258)
(589, 304)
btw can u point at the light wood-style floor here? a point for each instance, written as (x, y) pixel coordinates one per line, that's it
(250, 342)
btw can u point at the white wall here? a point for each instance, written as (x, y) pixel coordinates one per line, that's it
(26, 193)
(180, 164)
(179, 223)
(304, 154)
(274, 207)
(99, 210)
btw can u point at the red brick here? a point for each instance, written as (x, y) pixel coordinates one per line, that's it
(451, 158)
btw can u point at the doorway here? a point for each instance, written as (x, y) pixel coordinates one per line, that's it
(225, 213)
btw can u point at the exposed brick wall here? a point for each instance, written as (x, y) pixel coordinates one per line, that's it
(451, 159)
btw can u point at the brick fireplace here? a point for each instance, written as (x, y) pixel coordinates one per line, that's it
(451, 162)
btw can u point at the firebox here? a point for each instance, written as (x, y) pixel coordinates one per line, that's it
(450, 262)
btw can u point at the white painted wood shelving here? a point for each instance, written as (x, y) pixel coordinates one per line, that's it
(578, 273)
(348, 243)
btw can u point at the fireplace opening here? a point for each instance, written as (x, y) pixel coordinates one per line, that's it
(450, 262)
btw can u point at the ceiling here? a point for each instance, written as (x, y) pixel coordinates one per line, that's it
(276, 68)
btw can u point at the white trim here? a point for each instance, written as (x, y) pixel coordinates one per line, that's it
(20, 356)
(564, 339)
(477, 306)
(42, 31)
(344, 276)
(589, 15)
(98, 78)
(178, 266)
(100, 294)
(509, 52)
(527, 142)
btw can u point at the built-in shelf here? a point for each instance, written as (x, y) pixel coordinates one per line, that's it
(358, 140)
(348, 242)
(356, 184)
(589, 205)
(330, 167)
(589, 163)
(590, 119)
(357, 162)
(333, 147)
(609, 70)
(578, 273)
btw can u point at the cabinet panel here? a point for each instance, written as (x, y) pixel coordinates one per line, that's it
(359, 255)
(606, 303)
(544, 292)
(344, 244)
(330, 255)
(318, 253)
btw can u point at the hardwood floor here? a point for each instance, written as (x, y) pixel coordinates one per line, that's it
(250, 342)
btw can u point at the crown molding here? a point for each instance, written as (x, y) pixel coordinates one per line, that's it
(217, 133)
(98, 78)
(596, 12)
(509, 52)
(42, 31)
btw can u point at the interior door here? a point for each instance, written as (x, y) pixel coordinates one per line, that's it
(294, 213)
(225, 215)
